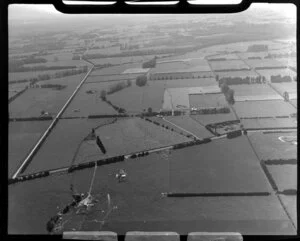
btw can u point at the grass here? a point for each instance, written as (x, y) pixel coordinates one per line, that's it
(290, 204)
(213, 118)
(85, 104)
(176, 98)
(22, 136)
(285, 176)
(228, 65)
(207, 100)
(269, 123)
(60, 146)
(35, 100)
(268, 146)
(220, 166)
(267, 108)
(181, 83)
(263, 63)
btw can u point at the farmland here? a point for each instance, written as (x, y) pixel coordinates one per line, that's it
(35, 100)
(255, 92)
(207, 100)
(285, 176)
(290, 203)
(264, 63)
(269, 146)
(266, 108)
(290, 87)
(213, 118)
(22, 137)
(181, 83)
(267, 73)
(228, 65)
(269, 123)
(187, 123)
(231, 173)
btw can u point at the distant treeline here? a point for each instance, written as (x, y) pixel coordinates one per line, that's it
(280, 79)
(241, 80)
(57, 75)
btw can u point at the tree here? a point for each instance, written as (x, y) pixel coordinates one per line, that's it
(149, 110)
(230, 96)
(224, 87)
(103, 95)
(141, 80)
(128, 82)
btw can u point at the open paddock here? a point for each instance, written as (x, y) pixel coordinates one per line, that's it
(263, 108)
(220, 166)
(85, 103)
(290, 62)
(269, 146)
(22, 136)
(213, 118)
(289, 87)
(181, 83)
(189, 124)
(290, 204)
(35, 100)
(113, 70)
(254, 92)
(137, 99)
(207, 100)
(264, 63)
(285, 176)
(269, 123)
(228, 65)
(140, 203)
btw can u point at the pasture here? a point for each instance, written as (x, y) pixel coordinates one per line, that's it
(290, 87)
(189, 124)
(265, 63)
(269, 146)
(220, 166)
(269, 123)
(228, 65)
(285, 176)
(22, 136)
(207, 100)
(213, 118)
(181, 83)
(265, 108)
(35, 100)
(290, 203)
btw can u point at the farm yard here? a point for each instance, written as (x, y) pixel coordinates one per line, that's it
(268, 146)
(264, 108)
(34, 101)
(232, 173)
(22, 137)
(285, 176)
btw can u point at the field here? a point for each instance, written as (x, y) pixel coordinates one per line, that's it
(85, 104)
(228, 65)
(169, 67)
(213, 118)
(187, 123)
(255, 92)
(113, 70)
(139, 204)
(246, 55)
(181, 83)
(290, 87)
(267, 73)
(35, 100)
(176, 98)
(289, 62)
(294, 102)
(212, 168)
(136, 99)
(207, 100)
(22, 137)
(122, 60)
(69, 62)
(290, 203)
(106, 51)
(269, 123)
(62, 143)
(266, 108)
(28, 75)
(264, 63)
(233, 74)
(225, 56)
(285, 176)
(268, 146)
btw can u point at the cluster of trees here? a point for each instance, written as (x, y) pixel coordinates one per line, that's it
(17, 65)
(150, 64)
(218, 59)
(216, 110)
(54, 86)
(213, 127)
(257, 48)
(239, 80)
(234, 134)
(279, 78)
(229, 93)
(191, 143)
(281, 55)
(115, 88)
(76, 57)
(141, 80)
